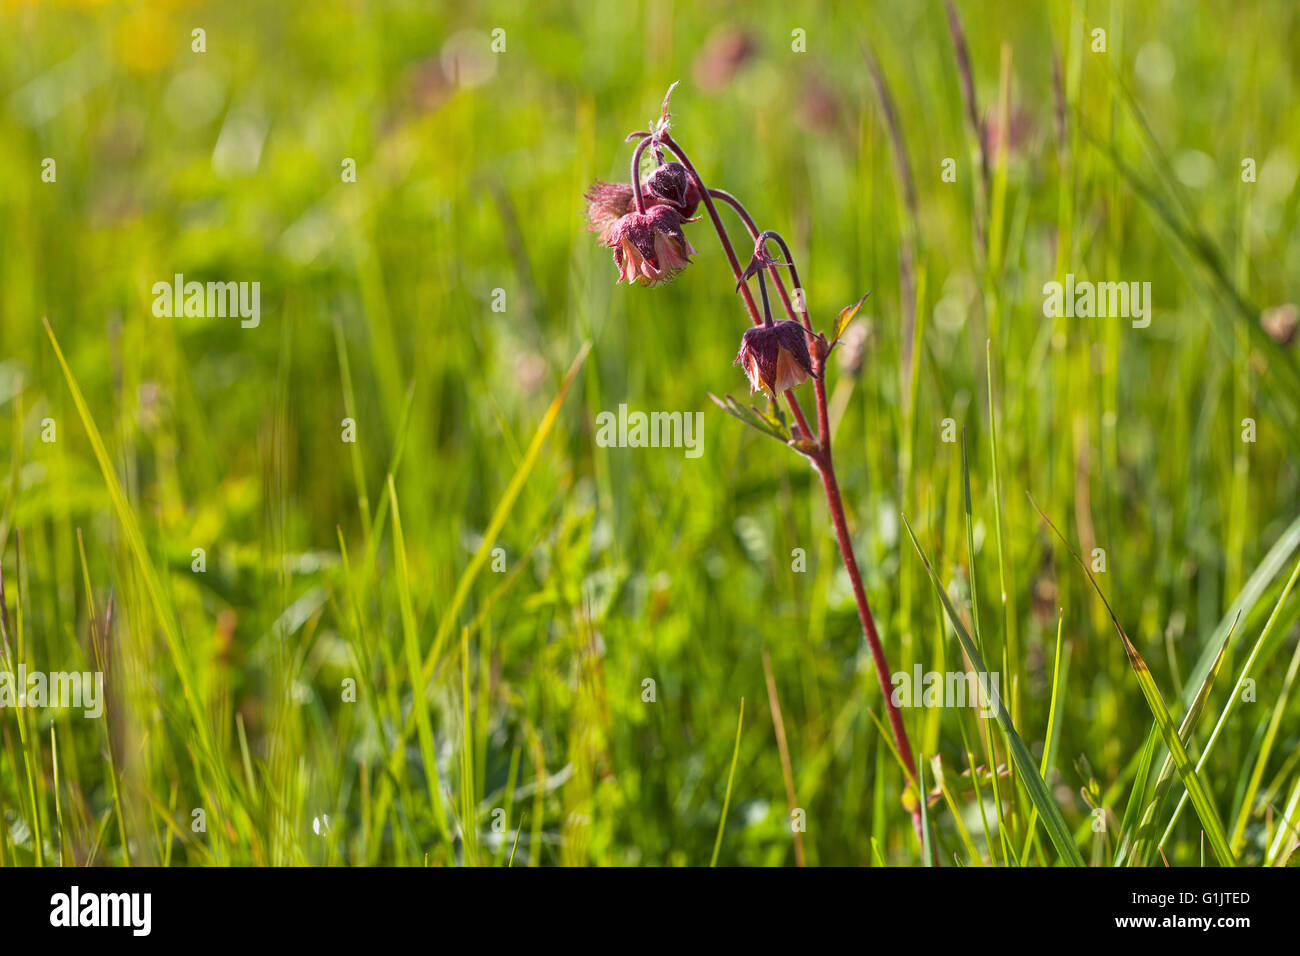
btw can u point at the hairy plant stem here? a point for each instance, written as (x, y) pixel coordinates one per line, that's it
(636, 174)
(767, 305)
(730, 251)
(820, 456)
(748, 220)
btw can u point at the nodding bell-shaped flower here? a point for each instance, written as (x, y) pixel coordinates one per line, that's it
(649, 247)
(775, 357)
(667, 185)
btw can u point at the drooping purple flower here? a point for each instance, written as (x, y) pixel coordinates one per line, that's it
(775, 357)
(667, 185)
(649, 247)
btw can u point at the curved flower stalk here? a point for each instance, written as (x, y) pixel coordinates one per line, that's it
(641, 221)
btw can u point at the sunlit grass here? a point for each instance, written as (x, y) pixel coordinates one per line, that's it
(432, 645)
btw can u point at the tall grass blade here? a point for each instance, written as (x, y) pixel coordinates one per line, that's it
(126, 517)
(1195, 788)
(731, 776)
(1030, 778)
(1231, 703)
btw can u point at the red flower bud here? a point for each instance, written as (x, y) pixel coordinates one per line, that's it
(671, 184)
(649, 247)
(775, 357)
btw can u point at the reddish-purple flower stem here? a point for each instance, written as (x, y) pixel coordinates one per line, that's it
(727, 247)
(821, 457)
(748, 220)
(767, 305)
(636, 173)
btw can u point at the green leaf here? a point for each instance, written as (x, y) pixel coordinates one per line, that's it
(1048, 811)
(1196, 791)
(731, 777)
(450, 616)
(411, 647)
(1049, 739)
(158, 595)
(1137, 841)
(845, 317)
(1190, 719)
(752, 417)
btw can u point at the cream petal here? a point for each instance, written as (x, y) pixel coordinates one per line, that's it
(668, 252)
(630, 260)
(788, 371)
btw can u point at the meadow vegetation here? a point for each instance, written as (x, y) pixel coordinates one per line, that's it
(431, 644)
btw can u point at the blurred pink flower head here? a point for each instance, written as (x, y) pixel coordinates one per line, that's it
(1280, 323)
(1020, 130)
(727, 50)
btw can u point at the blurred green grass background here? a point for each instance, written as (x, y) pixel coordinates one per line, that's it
(622, 565)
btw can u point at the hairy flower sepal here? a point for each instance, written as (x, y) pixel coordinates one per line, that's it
(760, 261)
(606, 204)
(775, 357)
(672, 185)
(649, 247)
